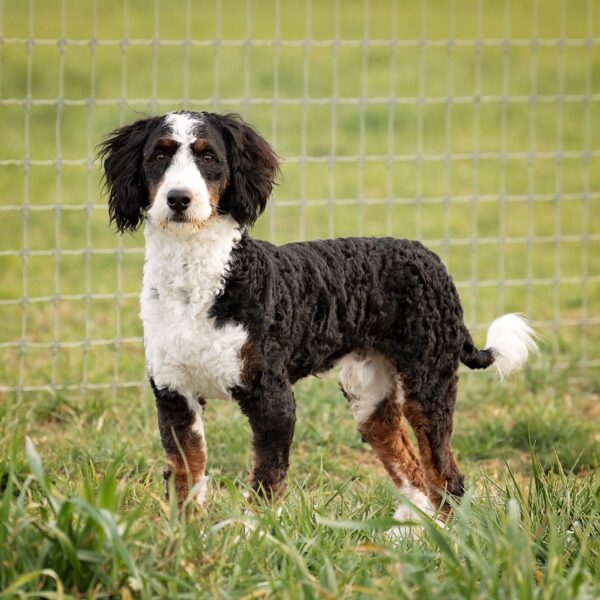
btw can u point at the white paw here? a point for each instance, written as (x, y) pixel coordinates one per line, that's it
(410, 530)
(412, 510)
(417, 498)
(406, 513)
(200, 491)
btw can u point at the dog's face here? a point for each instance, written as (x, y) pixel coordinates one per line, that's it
(183, 169)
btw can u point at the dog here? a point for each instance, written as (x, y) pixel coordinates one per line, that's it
(227, 316)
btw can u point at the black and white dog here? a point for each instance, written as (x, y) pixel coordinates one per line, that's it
(227, 316)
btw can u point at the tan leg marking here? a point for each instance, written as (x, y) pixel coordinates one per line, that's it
(187, 469)
(436, 482)
(384, 431)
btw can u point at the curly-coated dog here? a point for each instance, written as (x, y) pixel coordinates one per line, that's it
(227, 316)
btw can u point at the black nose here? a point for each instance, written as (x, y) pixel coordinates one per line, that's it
(179, 200)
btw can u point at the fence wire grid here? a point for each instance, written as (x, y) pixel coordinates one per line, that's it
(470, 125)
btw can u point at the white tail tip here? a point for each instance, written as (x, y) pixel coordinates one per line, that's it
(511, 339)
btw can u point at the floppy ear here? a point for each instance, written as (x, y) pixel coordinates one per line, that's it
(253, 168)
(121, 153)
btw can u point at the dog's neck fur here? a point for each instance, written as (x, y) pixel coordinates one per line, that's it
(184, 273)
(190, 265)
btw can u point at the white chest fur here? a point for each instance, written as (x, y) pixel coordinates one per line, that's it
(183, 274)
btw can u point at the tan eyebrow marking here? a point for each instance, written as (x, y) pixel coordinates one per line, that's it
(200, 145)
(167, 144)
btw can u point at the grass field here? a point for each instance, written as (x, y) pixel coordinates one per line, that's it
(506, 192)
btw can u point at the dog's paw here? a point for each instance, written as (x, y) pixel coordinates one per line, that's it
(200, 491)
(410, 530)
(417, 498)
(411, 513)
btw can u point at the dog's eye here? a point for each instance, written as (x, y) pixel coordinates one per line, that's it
(159, 156)
(207, 157)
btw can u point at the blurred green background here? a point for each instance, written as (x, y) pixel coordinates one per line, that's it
(472, 126)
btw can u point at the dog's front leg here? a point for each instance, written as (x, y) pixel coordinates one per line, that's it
(182, 435)
(271, 411)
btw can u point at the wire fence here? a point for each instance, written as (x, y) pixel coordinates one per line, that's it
(469, 125)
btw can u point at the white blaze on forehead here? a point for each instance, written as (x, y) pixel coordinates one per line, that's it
(183, 127)
(182, 173)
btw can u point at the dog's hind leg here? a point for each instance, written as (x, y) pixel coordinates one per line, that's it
(182, 435)
(271, 411)
(375, 394)
(431, 420)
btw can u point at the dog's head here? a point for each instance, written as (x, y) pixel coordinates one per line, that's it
(185, 168)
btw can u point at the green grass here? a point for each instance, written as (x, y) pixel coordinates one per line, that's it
(93, 521)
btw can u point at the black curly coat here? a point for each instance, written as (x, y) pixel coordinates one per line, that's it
(306, 305)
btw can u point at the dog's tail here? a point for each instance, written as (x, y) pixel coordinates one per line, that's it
(510, 339)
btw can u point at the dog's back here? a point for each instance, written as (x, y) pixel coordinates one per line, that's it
(308, 304)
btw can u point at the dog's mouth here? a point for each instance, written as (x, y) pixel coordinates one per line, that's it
(182, 222)
(178, 218)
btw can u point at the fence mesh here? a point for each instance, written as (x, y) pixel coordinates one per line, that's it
(469, 125)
